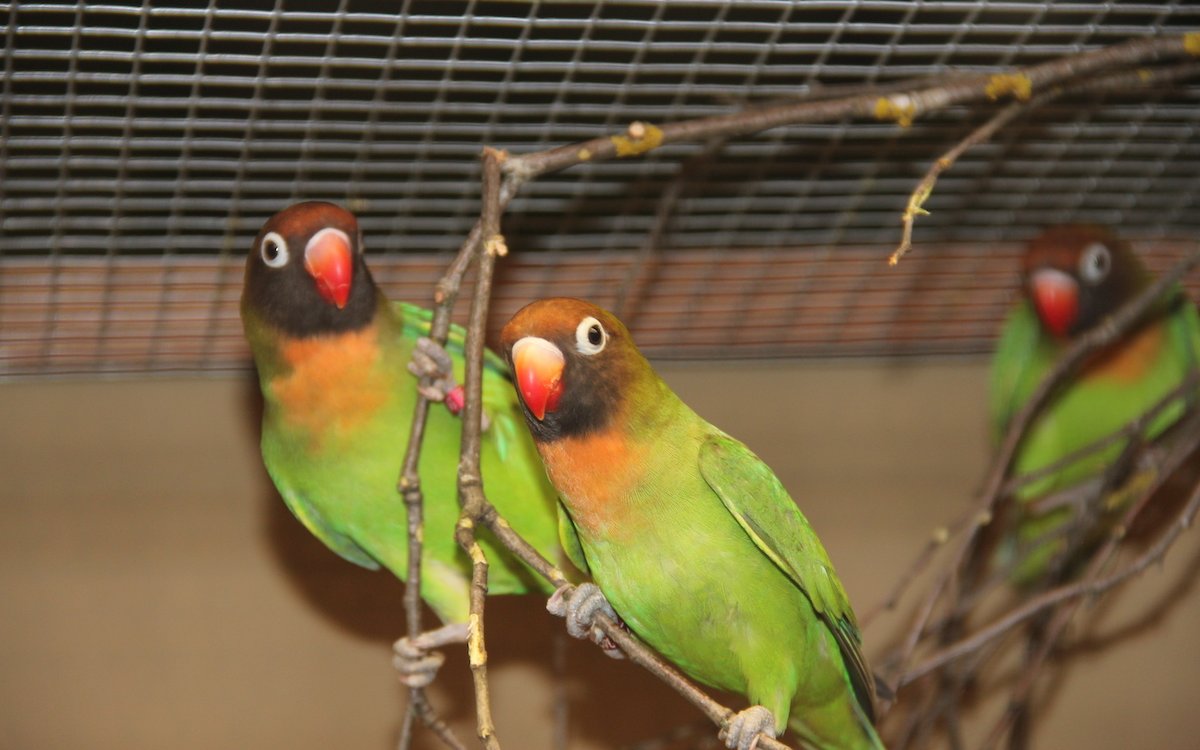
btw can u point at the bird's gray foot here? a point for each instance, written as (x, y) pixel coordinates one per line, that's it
(432, 364)
(415, 658)
(580, 609)
(744, 729)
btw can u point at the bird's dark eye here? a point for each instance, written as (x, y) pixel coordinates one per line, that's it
(274, 250)
(590, 336)
(1095, 263)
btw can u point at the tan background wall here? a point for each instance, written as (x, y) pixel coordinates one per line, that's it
(156, 593)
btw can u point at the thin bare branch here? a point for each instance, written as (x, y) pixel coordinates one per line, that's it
(1135, 429)
(477, 511)
(936, 541)
(902, 107)
(1092, 584)
(409, 487)
(1087, 587)
(1068, 497)
(470, 483)
(420, 709)
(984, 133)
(1097, 338)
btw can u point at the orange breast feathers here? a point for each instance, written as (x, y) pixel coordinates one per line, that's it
(595, 475)
(1127, 362)
(331, 384)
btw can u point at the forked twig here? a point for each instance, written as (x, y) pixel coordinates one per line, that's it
(409, 487)
(1092, 584)
(470, 482)
(984, 133)
(981, 514)
(1087, 587)
(640, 138)
(478, 511)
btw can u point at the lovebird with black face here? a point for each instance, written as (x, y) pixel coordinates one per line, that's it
(689, 535)
(1074, 277)
(332, 355)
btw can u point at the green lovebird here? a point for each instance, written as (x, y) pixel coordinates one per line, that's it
(332, 356)
(1074, 277)
(688, 534)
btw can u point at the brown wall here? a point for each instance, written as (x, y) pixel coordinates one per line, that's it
(156, 593)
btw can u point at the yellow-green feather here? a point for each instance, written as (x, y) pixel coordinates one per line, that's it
(341, 482)
(1090, 407)
(705, 556)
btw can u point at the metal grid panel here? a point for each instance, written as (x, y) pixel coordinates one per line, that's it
(172, 130)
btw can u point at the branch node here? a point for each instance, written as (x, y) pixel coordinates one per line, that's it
(499, 154)
(900, 108)
(1191, 43)
(638, 139)
(467, 480)
(1017, 84)
(476, 651)
(983, 519)
(477, 556)
(941, 535)
(496, 246)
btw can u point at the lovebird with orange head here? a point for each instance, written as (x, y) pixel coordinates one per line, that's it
(1074, 277)
(333, 355)
(692, 539)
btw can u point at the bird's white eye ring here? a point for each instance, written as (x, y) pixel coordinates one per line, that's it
(590, 336)
(1095, 263)
(274, 250)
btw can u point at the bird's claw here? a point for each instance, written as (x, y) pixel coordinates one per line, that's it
(580, 610)
(416, 665)
(744, 729)
(415, 658)
(431, 363)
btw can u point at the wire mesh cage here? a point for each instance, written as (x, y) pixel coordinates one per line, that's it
(143, 144)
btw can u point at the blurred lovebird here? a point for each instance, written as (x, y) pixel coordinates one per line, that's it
(1075, 277)
(689, 535)
(334, 358)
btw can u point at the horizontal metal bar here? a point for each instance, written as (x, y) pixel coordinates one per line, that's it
(896, 68)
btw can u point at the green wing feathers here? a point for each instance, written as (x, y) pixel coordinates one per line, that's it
(1014, 367)
(754, 496)
(308, 515)
(1185, 334)
(568, 537)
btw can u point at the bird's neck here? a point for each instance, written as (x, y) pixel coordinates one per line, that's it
(601, 475)
(1127, 360)
(326, 387)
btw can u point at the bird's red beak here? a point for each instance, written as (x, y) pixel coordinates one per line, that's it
(328, 259)
(539, 367)
(1056, 297)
